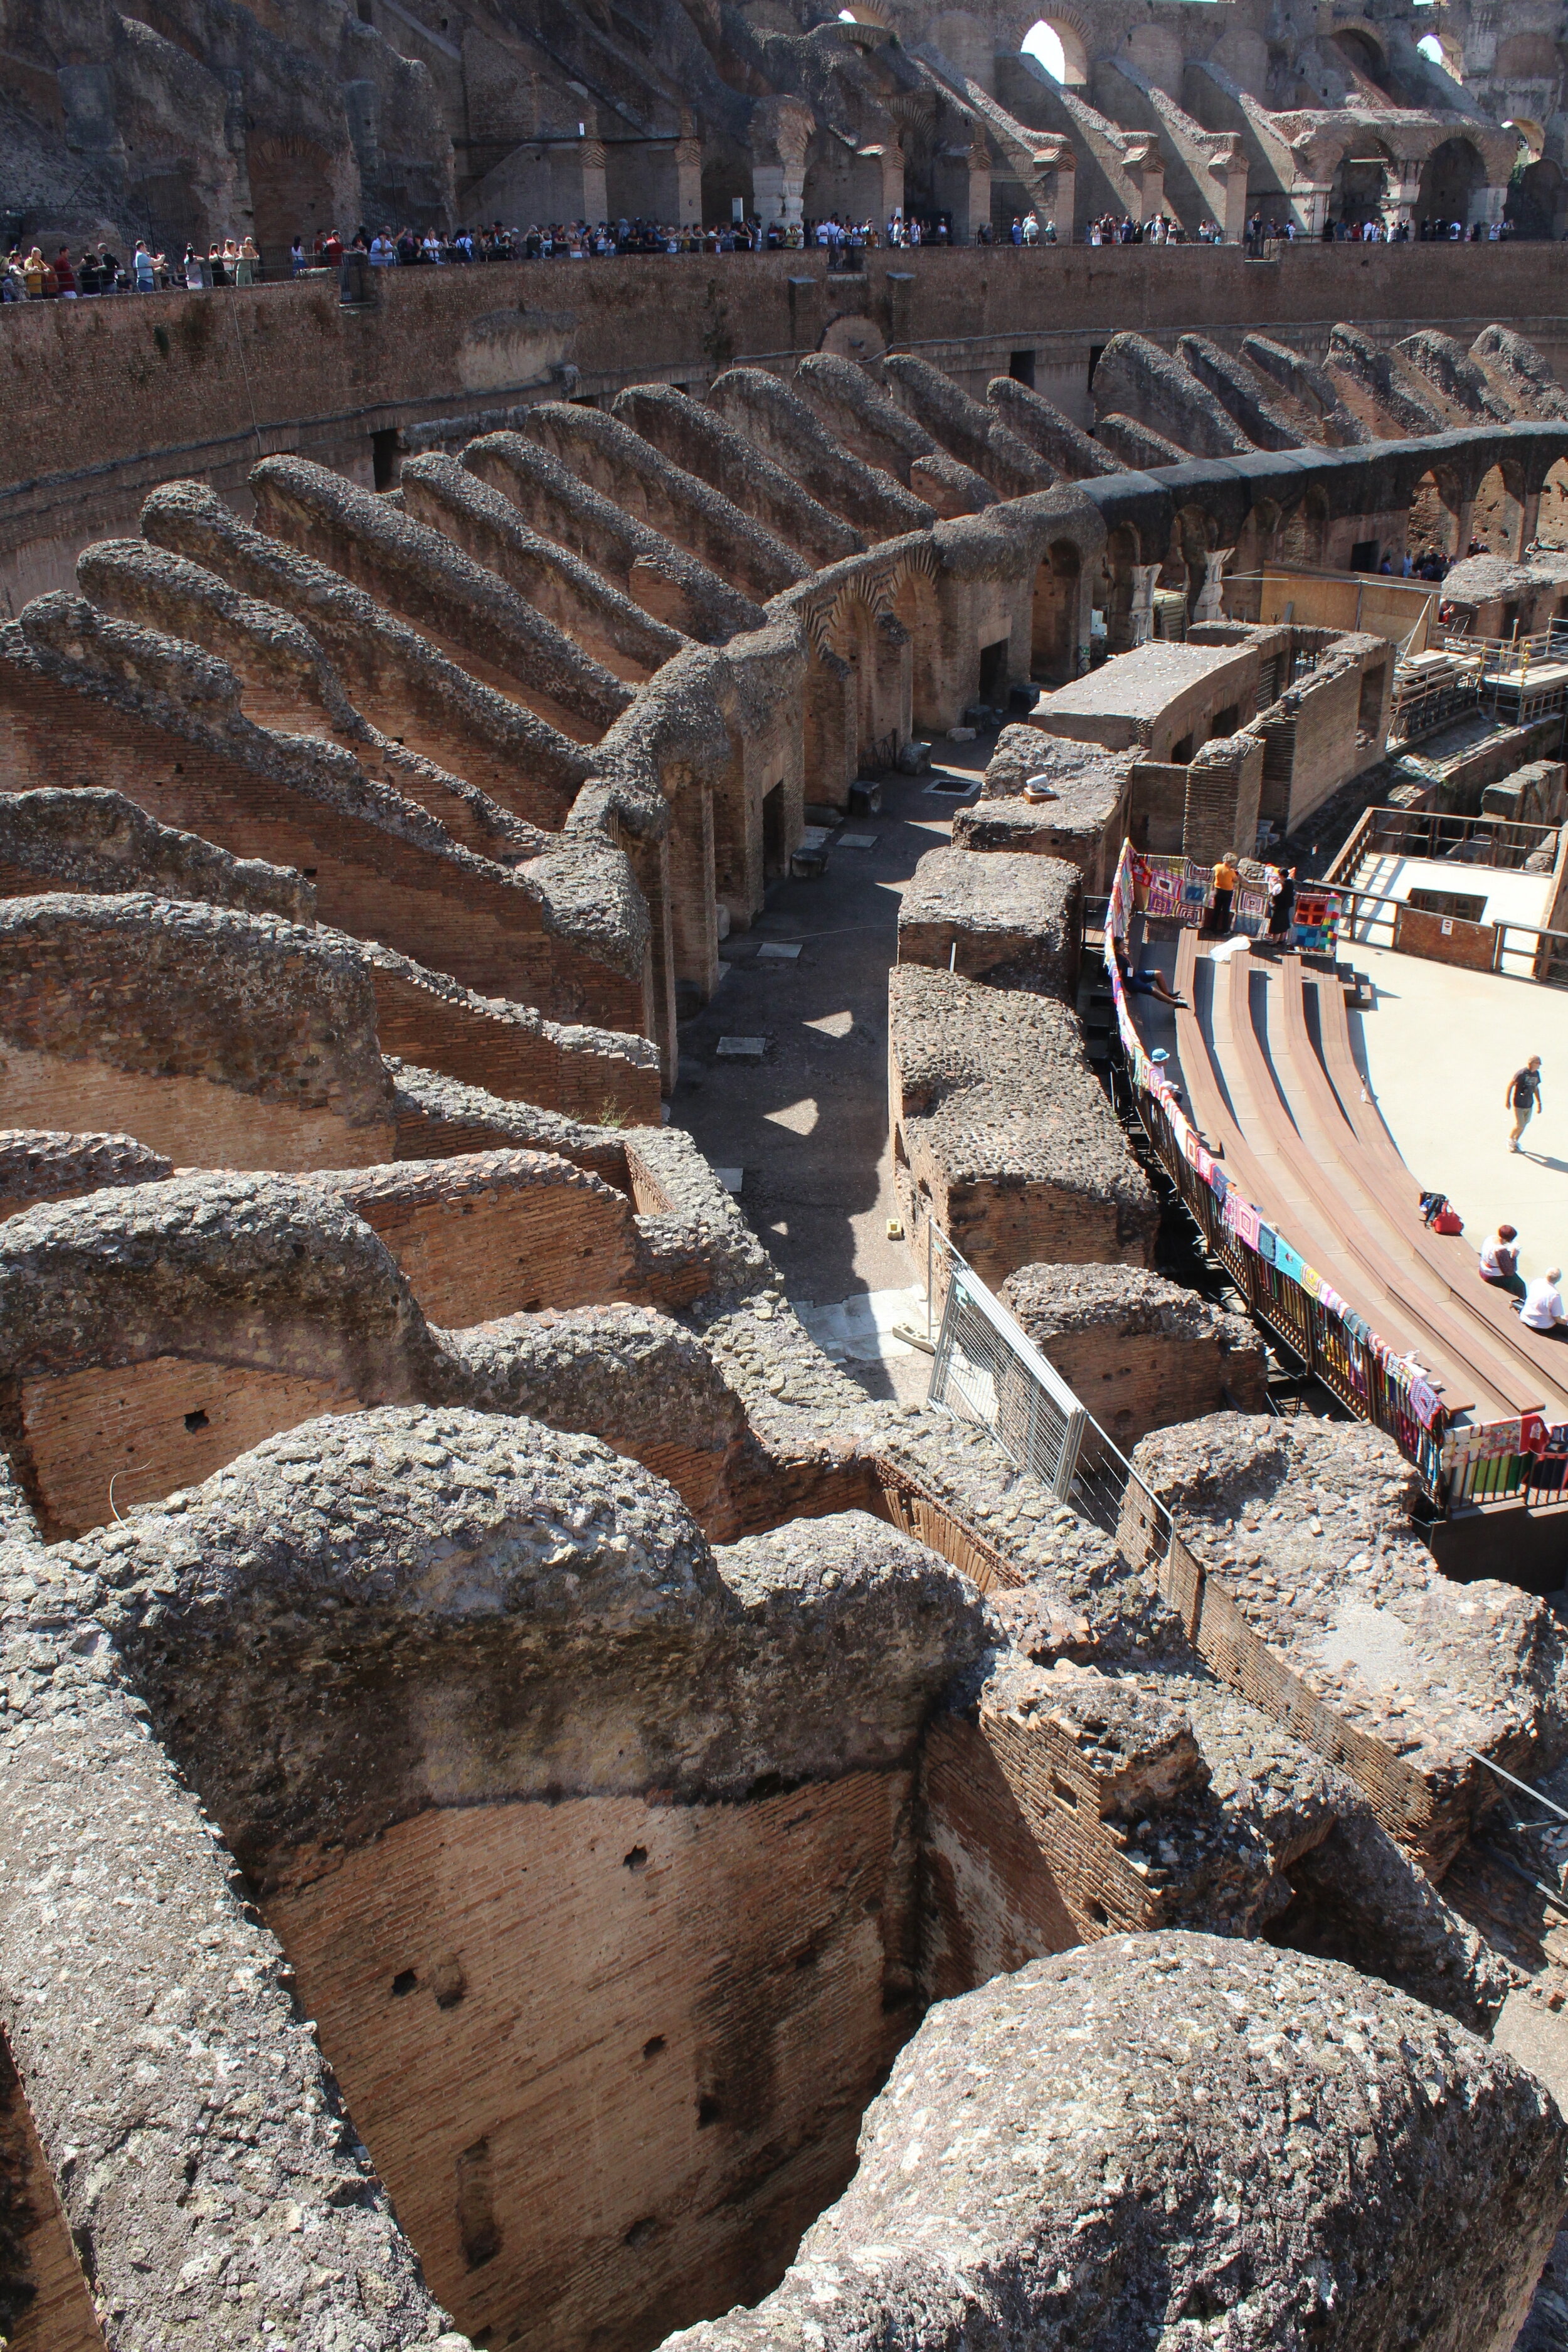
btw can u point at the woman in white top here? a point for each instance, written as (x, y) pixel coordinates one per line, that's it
(1499, 1260)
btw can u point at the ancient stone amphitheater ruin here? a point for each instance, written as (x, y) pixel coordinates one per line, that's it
(535, 1809)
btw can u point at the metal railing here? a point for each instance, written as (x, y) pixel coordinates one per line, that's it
(1421, 710)
(987, 1370)
(1540, 1481)
(1543, 956)
(1523, 649)
(1424, 832)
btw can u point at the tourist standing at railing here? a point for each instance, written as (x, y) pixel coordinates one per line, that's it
(1282, 908)
(1523, 1098)
(1226, 878)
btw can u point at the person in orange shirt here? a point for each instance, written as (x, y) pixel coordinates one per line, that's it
(1226, 878)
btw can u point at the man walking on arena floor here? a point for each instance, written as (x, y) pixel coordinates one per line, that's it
(1523, 1097)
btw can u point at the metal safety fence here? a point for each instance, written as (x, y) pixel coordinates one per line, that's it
(986, 1368)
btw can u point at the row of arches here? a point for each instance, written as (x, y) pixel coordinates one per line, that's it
(1442, 516)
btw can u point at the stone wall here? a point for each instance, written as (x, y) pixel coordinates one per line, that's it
(1002, 1132)
(1013, 920)
(451, 343)
(1140, 1352)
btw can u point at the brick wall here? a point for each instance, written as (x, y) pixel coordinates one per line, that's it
(1134, 1382)
(611, 2057)
(1324, 750)
(1157, 804)
(1007, 1223)
(153, 1427)
(195, 1122)
(45, 2302)
(1224, 787)
(369, 882)
(991, 1902)
(1432, 1821)
(1444, 940)
(531, 1232)
(521, 1064)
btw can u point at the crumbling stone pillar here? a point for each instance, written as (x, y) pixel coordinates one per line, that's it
(1210, 605)
(693, 909)
(688, 179)
(1309, 202)
(1142, 613)
(593, 203)
(782, 130)
(1053, 188)
(1146, 169)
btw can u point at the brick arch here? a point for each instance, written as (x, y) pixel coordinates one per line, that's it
(1072, 28)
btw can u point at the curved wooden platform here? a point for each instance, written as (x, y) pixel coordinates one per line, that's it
(1283, 1110)
(1452, 1256)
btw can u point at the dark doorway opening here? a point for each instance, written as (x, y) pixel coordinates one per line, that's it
(774, 853)
(1364, 555)
(1021, 368)
(383, 457)
(994, 673)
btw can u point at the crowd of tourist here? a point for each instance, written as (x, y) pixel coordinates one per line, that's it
(31, 276)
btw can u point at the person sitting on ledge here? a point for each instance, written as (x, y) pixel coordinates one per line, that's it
(1540, 1309)
(1146, 983)
(1499, 1260)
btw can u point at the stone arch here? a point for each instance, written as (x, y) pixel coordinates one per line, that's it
(1496, 510)
(1433, 527)
(1123, 551)
(1552, 527)
(166, 197)
(1363, 52)
(294, 194)
(1065, 53)
(1244, 55)
(1364, 182)
(1538, 201)
(853, 336)
(1444, 50)
(1054, 619)
(724, 177)
(1451, 178)
(1303, 535)
(1527, 57)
